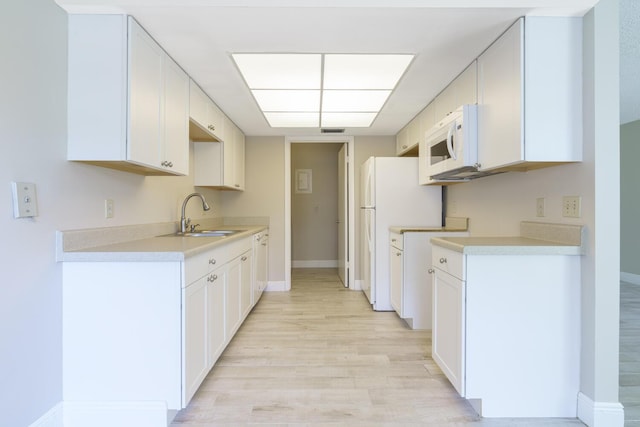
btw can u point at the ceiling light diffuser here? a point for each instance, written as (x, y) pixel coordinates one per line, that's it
(280, 71)
(354, 100)
(293, 119)
(355, 120)
(364, 71)
(327, 90)
(287, 100)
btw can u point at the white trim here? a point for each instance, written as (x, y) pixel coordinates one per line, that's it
(273, 286)
(630, 278)
(350, 141)
(321, 263)
(600, 414)
(109, 414)
(52, 418)
(357, 285)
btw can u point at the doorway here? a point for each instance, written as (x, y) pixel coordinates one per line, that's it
(300, 179)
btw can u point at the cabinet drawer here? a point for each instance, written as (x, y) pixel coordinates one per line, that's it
(201, 264)
(449, 261)
(396, 240)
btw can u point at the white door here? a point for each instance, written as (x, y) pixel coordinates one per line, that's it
(369, 253)
(343, 223)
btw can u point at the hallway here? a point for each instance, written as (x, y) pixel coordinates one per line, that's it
(319, 356)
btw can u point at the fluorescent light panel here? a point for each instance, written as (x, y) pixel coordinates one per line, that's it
(287, 87)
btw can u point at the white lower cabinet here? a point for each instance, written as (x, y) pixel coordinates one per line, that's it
(140, 337)
(506, 331)
(410, 283)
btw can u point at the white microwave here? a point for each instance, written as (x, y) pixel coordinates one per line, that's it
(452, 146)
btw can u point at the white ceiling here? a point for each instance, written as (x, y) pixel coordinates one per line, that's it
(445, 36)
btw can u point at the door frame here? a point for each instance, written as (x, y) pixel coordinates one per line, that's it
(328, 139)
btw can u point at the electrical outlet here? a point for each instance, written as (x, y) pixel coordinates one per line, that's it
(108, 208)
(25, 203)
(540, 206)
(571, 206)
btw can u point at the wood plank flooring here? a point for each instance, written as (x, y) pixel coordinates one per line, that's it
(319, 356)
(630, 353)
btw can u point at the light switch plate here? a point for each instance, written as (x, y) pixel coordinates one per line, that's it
(25, 204)
(540, 206)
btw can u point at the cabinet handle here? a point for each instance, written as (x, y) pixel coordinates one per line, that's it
(258, 238)
(398, 253)
(264, 244)
(212, 261)
(244, 258)
(237, 185)
(211, 127)
(443, 260)
(393, 240)
(430, 271)
(212, 278)
(404, 146)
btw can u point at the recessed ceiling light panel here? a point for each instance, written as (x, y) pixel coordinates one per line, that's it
(364, 71)
(354, 100)
(280, 71)
(287, 100)
(352, 120)
(293, 120)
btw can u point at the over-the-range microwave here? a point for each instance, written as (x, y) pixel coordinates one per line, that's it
(452, 146)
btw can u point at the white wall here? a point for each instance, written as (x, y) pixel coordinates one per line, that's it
(70, 196)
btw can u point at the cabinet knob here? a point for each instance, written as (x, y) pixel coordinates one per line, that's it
(264, 244)
(443, 260)
(398, 253)
(237, 185)
(404, 146)
(167, 164)
(393, 240)
(244, 258)
(211, 127)
(212, 278)
(430, 271)
(258, 238)
(212, 261)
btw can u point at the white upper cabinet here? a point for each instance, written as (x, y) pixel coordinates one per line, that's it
(128, 105)
(207, 120)
(530, 95)
(462, 90)
(221, 165)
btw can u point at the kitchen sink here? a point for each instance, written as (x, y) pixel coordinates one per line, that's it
(208, 233)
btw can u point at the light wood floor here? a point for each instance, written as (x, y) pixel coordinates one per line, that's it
(630, 353)
(319, 356)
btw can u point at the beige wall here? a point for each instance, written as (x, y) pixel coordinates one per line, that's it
(263, 195)
(314, 228)
(630, 198)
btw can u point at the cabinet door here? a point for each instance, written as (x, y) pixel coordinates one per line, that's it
(228, 153)
(448, 333)
(466, 86)
(445, 102)
(401, 140)
(396, 277)
(232, 303)
(215, 119)
(195, 365)
(176, 118)
(145, 97)
(500, 100)
(246, 291)
(215, 315)
(238, 160)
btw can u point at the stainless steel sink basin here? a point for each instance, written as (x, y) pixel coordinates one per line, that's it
(209, 233)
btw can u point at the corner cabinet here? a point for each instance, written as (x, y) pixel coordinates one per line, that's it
(530, 95)
(128, 104)
(206, 119)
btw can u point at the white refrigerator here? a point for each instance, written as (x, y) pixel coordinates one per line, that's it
(390, 196)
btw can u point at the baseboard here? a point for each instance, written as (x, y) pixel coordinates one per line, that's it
(630, 278)
(600, 414)
(52, 418)
(357, 285)
(109, 414)
(326, 263)
(277, 287)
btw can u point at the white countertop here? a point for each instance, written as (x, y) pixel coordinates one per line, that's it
(506, 245)
(159, 248)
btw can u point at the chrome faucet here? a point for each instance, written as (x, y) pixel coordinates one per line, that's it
(184, 222)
